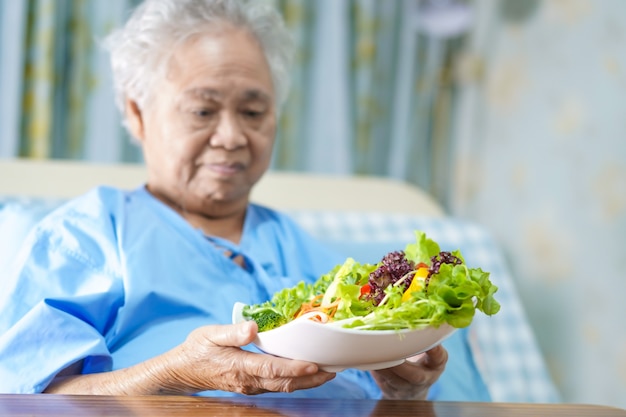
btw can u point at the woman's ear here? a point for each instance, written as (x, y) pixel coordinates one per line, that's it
(134, 118)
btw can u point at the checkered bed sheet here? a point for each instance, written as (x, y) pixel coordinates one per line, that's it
(504, 344)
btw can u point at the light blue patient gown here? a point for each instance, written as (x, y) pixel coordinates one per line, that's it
(116, 277)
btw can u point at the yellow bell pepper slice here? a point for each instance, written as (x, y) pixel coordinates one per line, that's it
(417, 284)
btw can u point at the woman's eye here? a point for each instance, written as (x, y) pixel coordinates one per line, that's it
(202, 112)
(252, 114)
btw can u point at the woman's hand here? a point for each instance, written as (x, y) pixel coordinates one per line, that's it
(412, 379)
(210, 359)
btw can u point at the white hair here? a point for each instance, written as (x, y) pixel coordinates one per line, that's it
(144, 44)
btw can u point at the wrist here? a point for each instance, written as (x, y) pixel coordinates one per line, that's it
(164, 375)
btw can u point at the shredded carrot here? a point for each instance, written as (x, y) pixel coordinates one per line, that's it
(316, 305)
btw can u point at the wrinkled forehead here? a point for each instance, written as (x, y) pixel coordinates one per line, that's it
(207, 94)
(221, 51)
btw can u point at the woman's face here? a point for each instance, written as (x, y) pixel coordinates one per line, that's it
(208, 130)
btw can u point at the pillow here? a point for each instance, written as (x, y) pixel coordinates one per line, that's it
(461, 380)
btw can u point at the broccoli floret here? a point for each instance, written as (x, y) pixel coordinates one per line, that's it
(266, 318)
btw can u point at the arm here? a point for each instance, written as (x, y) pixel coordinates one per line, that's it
(210, 359)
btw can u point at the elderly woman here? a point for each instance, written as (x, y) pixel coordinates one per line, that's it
(130, 292)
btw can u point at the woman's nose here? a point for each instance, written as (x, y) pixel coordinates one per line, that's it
(228, 133)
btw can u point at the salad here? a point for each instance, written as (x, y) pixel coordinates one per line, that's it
(417, 287)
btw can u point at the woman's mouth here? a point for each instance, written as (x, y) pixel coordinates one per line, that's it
(225, 168)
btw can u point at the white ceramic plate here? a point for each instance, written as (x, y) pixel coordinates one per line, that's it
(335, 348)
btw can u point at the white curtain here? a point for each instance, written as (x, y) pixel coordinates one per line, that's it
(12, 30)
(329, 133)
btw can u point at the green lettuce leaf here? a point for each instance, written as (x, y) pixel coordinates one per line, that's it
(422, 250)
